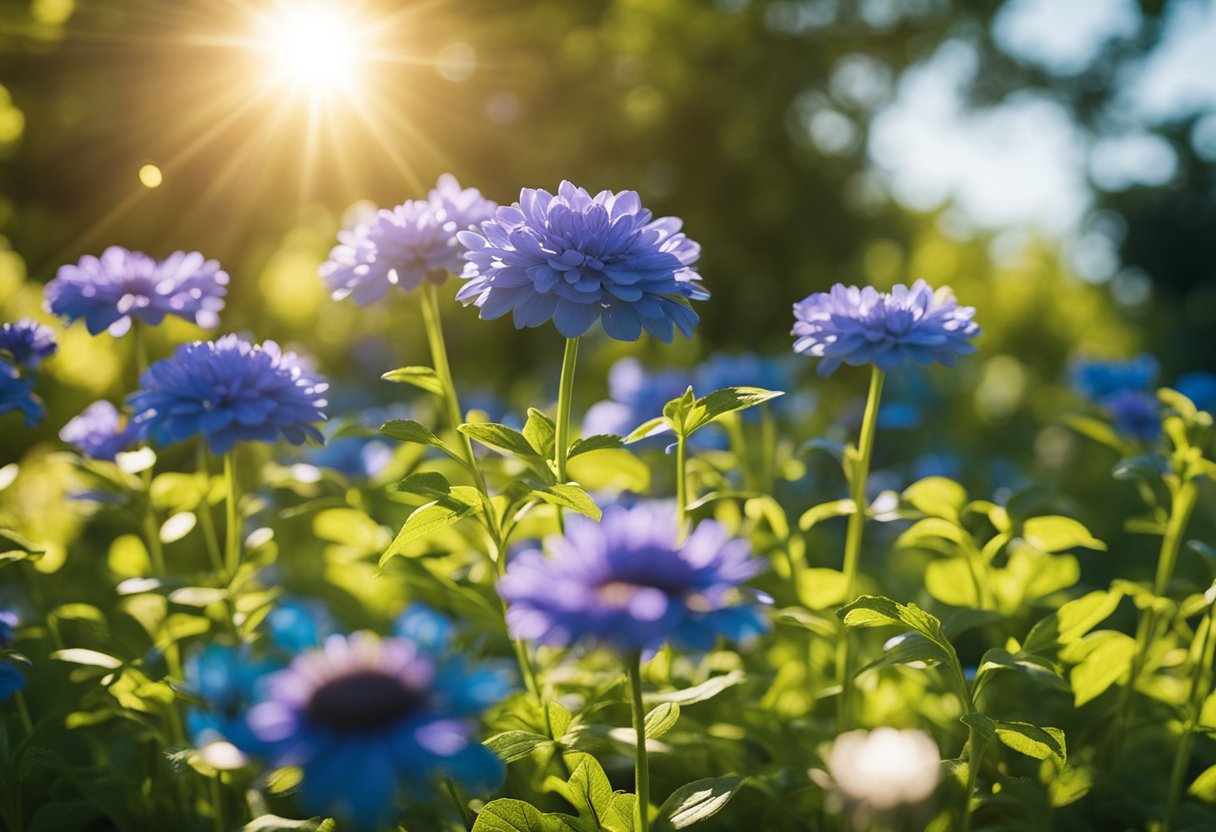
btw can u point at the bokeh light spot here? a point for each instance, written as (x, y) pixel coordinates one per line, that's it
(150, 176)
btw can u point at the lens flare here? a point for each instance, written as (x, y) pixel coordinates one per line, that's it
(313, 48)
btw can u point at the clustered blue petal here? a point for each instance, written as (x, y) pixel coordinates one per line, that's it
(628, 584)
(17, 393)
(428, 628)
(574, 258)
(121, 286)
(100, 432)
(11, 678)
(357, 457)
(1096, 380)
(1135, 413)
(27, 342)
(226, 680)
(229, 391)
(413, 242)
(1200, 388)
(854, 326)
(371, 719)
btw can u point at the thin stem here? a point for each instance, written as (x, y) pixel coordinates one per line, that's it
(151, 532)
(641, 816)
(466, 817)
(217, 804)
(1199, 692)
(1180, 515)
(682, 486)
(565, 397)
(204, 512)
(232, 533)
(852, 545)
(975, 757)
(24, 712)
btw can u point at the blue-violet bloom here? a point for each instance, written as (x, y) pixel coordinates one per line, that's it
(100, 432)
(121, 286)
(629, 584)
(574, 258)
(17, 393)
(229, 391)
(1097, 380)
(1135, 413)
(855, 326)
(1200, 388)
(27, 342)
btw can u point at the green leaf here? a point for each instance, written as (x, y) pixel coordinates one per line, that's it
(1100, 432)
(501, 438)
(599, 442)
(698, 693)
(407, 430)
(15, 548)
(937, 497)
(1056, 533)
(697, 801)
(877, 611)
(571, 496)
(1041, 743)
(648, 428)
(720, 402)
(613, 469)
(422, 377)
(934, 534)
(425, 520)
(676, 411)
(825, 511)
(587, 790)
(1204, 786)
(1103, 667)
(820, 587)
(1032, 667)
(274, 823)
(429, 484)
(540, 433)
(507, 815)
(88, 658)
(952, 582)
(661, 720)
(1072, 621)
(910, 649)
(515, 745)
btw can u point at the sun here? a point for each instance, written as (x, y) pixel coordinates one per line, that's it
(312, 47)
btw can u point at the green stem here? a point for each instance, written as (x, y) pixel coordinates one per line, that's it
(433, 324)
(1180, 515)
(210, 537)
(641, 815)
(852, 545)
(466, 817)
(217, 804)
(975, 757)
(151, 532)
(24, 712)
(565, 397)
(682, 486)
(232, 532)
(1199, 692)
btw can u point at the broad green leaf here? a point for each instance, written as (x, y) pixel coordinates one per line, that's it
(540, 432)
(936, 497)
(727, 400)
(571, 496)
(934, 534)
(1056, 533)
(197, 596)
(614, 469)
(820, 587)
(877, 611)
(952, 582)
(422, 377)
(1068, 784)
(515, 745)
(1204, 786)
(824, 511)
(697, 801)
(425, 520)
(274, 823)
(559, 719)
(648, 428)
(661, 720)
(961, 621)
(599, 442)
(407, 430)
(177, 526)
(15, 548)
(128, 556)
(1100, 432)
(1072, 621)
(676, 411)
(587, 790)
(1107, 664)
(78, 612)
(698, 693)
(507, 815)
(501, 438)
(1032, 667)
(1041, 743)
(430, 484)
(910, 649)
(89, 658)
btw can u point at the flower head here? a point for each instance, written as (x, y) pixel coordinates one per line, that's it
(857, 326)
(1135, 413)
(1200, 388)
(99, 432)
(413, 242)
(885, 768)
(110, 291)
(27, 342)
(574, 258)
(357, 457)
(17, 393)
(627, 583)
(8, 628)
(229, 391)
(368, 718)
(1097, 380)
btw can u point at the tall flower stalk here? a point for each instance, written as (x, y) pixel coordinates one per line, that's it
(565, 399)
(641, 766)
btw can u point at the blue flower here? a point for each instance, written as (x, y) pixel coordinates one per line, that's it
(229, 391)
(1135, 413)
(8, 628)
(11, 681)
(1200, 388)
(357, 457)
(428, 628)
(415, 241)
(17, 393)
(227, 681)
(99, 432)
(1097, 380)
(299, 624)
(574, 259)
(627, 583)
(108, 292)
(859, 326)
(368, 719)
(27, 342)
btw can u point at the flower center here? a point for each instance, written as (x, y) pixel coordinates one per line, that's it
(619, 593)
(363, 701)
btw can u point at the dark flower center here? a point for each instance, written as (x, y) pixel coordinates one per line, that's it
(363, 701)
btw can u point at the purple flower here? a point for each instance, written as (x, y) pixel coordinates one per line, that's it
(858, 326)
(413, 242)
(575, 259)
(367, 718)
(108, 292)
(99, 432)
(27, 342)
(17, 393)
(627, 583)
(1135, 413)
(1200, 388)
(229, 391)
(8, 628)
(1097, 380)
